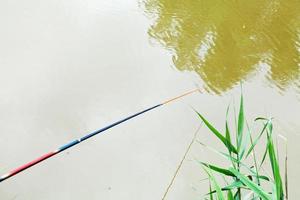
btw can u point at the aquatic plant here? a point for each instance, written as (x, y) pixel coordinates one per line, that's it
(245, 178)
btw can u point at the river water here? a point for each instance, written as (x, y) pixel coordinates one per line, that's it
(71, 67)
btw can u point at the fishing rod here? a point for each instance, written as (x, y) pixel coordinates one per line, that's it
(77, 141)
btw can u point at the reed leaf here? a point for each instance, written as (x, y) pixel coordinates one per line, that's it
(211, 197)
(223, 139)
(241, 120)
(227, 132)
(232, 186)
(257, 139)
(237, 195)
(229, 157)
(251, 185)
(275, 167)
(218, 169)
(230, 195)
(215, 183)
(242, 180)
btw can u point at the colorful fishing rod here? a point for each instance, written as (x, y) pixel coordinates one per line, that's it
(75, 142)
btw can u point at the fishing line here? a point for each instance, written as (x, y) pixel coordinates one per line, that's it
(181, 162)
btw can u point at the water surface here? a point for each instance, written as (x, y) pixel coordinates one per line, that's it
(71, 67)
(226, 42)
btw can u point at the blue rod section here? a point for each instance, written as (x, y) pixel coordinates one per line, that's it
(70, 144)
(116, 123)
(74, 142)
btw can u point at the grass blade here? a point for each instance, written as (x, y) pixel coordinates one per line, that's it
(269, 135)
(241, 119)
(216, 185)
(218, 169)
(229, 157)
(210, 191)
(218, 134)
(232, 186)
(275, 166)
(237, 196)
(229, 195)
(227, 134)
(257, 139)
(254, 187)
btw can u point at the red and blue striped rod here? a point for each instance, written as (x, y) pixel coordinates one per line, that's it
(77, 141)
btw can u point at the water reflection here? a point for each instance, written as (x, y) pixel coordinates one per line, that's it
(224, 41)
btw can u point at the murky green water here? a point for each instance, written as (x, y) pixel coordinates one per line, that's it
(70, 67)
(225, 42)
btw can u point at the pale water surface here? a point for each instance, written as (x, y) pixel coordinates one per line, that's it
(70, 67)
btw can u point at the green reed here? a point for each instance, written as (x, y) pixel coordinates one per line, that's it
(245, 177)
